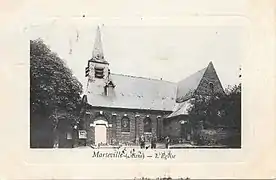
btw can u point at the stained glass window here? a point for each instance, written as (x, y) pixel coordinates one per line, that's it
(125, 124)
(147, 125)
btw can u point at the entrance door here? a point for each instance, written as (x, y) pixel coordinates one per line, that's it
(100, 134)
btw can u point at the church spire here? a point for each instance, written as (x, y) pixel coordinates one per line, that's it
(97, 53)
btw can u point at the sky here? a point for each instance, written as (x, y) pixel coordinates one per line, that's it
(168, 52)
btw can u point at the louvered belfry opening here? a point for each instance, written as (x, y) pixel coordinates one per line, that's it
(99, 72)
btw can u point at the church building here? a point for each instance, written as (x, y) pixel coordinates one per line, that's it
(120, 108)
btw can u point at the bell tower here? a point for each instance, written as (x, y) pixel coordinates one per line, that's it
(98, 71)
(97, 65)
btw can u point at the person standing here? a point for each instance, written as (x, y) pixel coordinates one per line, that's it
(167, 142)
(142, 141)
(153, 142)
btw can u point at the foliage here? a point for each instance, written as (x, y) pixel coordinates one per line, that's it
(54, 91)
(218, 111)
(52, 83)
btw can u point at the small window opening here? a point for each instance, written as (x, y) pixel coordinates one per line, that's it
(211, 85)
(99, 72)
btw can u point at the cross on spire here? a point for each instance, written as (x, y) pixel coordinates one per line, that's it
(97, 53)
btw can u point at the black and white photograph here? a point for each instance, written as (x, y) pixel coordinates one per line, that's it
(101, 86)
(138, 89)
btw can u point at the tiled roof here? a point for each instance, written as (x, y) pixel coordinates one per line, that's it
(180, 109)
(187, 86)
(136, 93)
(149, 94)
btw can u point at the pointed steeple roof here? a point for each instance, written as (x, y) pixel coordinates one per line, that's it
(97, 53)
(210, 65)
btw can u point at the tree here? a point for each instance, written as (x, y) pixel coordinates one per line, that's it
(54, 91)
(217, 111)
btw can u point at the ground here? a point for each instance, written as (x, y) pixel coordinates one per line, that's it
(158, 146)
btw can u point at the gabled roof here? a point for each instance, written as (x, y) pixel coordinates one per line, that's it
(196, 82)
(132, 92)
(187, 87)
(135, 93)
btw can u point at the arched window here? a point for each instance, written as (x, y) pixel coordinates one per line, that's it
(125, 124)
(147, 125)
(211, 86)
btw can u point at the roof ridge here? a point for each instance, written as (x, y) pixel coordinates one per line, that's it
(147, 78)
(193, 74)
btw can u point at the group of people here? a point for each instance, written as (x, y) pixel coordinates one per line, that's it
(153, 142)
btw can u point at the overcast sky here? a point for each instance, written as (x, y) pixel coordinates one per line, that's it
(168, 52)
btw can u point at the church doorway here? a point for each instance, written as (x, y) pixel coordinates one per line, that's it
(100, 132)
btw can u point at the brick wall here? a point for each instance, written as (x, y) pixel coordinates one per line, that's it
(210, 76)
(114, 117)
